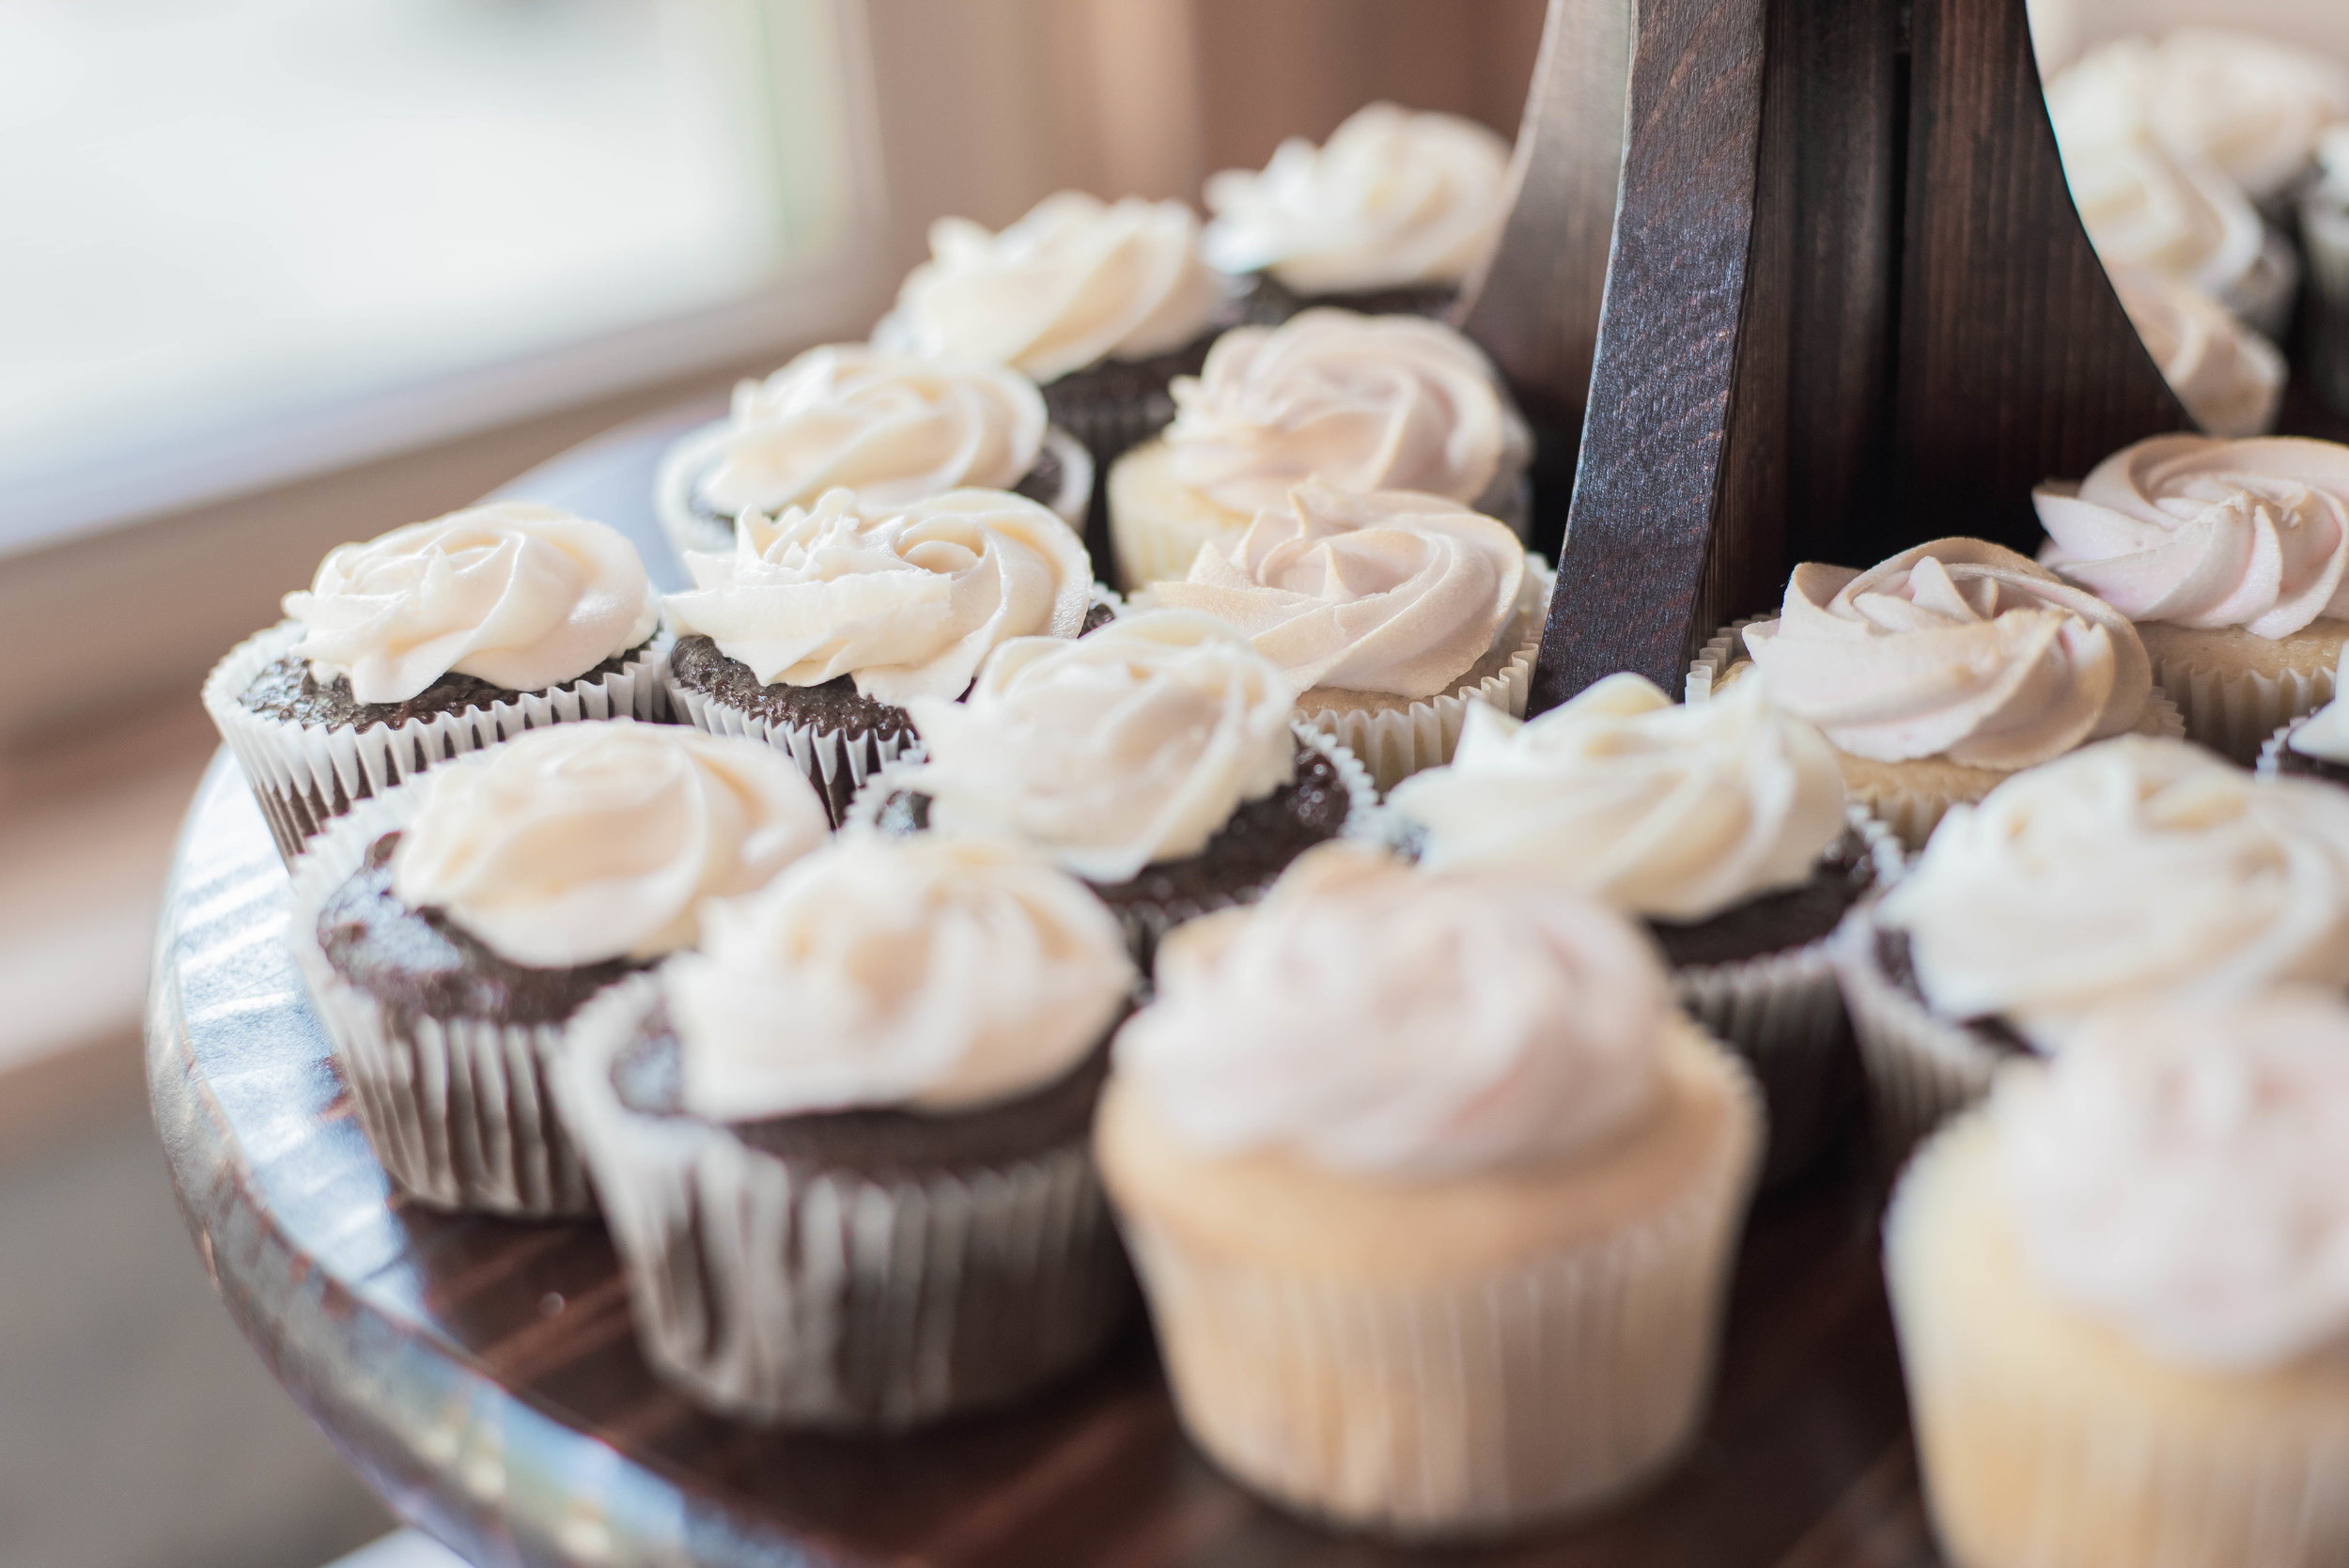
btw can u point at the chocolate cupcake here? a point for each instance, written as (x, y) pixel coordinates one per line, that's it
(1360, 402)
(451, 931)
(1155, 758)
(843, 1149)
(1722, 824)
(2138, 869)
(1390, 215)
(821, 625)
(430, 640)
(893, 429)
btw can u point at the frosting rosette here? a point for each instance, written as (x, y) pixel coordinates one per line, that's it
(2208, 533)
(521, 595)
(1074, 282)
(934, 973)
(2138, 868)
(1958, 648)
(2229, 378)
(1373, 1018)
(2177, 1172)
(1133, 744)
(908, 600)
(892, 428)
(582, 843)
(1385, 592)
(1393, 198)
(1362, 402)
(1669, 810)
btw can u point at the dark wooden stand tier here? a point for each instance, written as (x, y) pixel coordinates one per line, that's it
(482, 1375)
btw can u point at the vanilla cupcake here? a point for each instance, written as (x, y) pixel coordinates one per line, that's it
(893, 429)
(1154, 757)
(1101, 303)
(1391, 214)
(823, 623)
(1722, 824)
(2122, 1290)
(2229, 378)
(1391, 613)
(1432, 1193)
(843, 1149)
(1938, 673)
(1360, 402)
(2229, 557)
(430, 640)
(452, 930)
(2136, 870)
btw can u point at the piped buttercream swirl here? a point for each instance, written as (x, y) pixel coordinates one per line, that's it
(907, 600)
(2229, 376)
(1958, 648)
(2208, 533)
(1372, 1018)
(521, 595)
(581, 843)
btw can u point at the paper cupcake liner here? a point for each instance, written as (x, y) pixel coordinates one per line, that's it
(1919, 1069)
(458, 1110)
(1782, 1014)
(1433, 1409)
(2038, 1461)
(2270, 764)
(689, 530)
(1395, 744)
(304, 775)
(2234, 712)
(836, 763)
(830, 1299)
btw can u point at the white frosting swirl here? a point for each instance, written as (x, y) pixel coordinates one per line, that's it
(1957, 648)
(1670, 811)
(1387, 591)
(2229, 378)
(1362, 402)
(1393, 198)
(2138, 868)
(1373, 1018)
(1075, 282)
(906, 600)
(518, 594)
(933, 974)
(893, 429)
(2177, 1172)
(2324, 734)
(2209, 532)
(1131, 745)
(580, 843)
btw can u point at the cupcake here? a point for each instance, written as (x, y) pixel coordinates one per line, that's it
(2324, 235)
(2229, 378)
(893, 429)
(2315, 745)
(1100, 303)
(429, 641)
(452, 930)
(2122, 1299)
(1722, 824)
(2229, 555)
(1361, 402)
(1432, 1193)
(1942, 671)
(1391, 613)
(1154, 757)
(824, 622)
(2135, 870)
(1391, 214)
(843, 1148)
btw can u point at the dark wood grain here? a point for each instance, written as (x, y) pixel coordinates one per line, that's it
(483, 1376)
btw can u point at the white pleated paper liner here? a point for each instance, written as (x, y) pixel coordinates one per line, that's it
(458, 1110)
(1395, 743)
(1921, 1070)
(305, 775)
(2234, 712)
(691, 454)
(1448, 1408)
(2270, 764)
(1912, 813)
(781, 1292)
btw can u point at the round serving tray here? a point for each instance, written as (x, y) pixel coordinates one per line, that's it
(482, 1375)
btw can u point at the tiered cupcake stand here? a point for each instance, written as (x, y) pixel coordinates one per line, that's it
(1845, 307)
